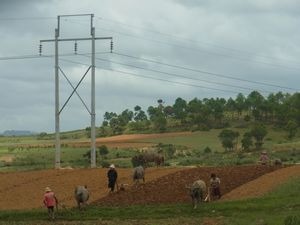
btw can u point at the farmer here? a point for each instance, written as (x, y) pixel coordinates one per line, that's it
(215, 186)
(264, 158)
(50, 201)
(112, 176)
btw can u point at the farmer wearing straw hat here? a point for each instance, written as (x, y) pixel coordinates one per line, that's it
(50, 201)
(264, 158)
(112, 176)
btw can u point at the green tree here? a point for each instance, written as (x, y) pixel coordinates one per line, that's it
(259, 132)
(158, 118)
(179, 109)
(116, 125)
(160, 123)
(294, 109)
(125, 117)
(109, 115)
(292, 128)
(255, 103)
(169, 111)
(240, 104)
(228, 138)
(139, 114)
(247, 141)
(198, 115)
(231, 107)
(103, 151)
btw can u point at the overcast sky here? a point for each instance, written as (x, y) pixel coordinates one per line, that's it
(231, 41)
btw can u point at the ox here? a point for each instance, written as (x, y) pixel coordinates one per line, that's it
(138, 173)
(81, 196)
(146, 158)
(198, 192)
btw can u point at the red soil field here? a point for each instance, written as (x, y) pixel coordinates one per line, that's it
(24, 190)
(171, 188)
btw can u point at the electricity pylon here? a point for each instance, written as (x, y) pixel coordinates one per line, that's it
(58, 69)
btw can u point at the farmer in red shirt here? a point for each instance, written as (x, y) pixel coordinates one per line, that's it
(50, 201)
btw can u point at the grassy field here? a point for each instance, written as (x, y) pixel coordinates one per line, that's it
(198, 148)
(280, 207)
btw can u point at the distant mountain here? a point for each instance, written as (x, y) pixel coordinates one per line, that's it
(18, 133)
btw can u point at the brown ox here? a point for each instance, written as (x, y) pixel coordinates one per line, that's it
(146, 158)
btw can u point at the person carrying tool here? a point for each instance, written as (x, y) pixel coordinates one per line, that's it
(50, 201)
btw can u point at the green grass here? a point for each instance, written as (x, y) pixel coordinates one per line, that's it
(191, 148)
(272, 209)
(199, 139)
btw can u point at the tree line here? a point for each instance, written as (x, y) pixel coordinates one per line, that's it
(279, 109)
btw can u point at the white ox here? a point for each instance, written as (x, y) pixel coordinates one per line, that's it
(198, 192)
(81, 196)
(138, 173)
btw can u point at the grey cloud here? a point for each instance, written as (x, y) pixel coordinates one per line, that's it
(253, 40)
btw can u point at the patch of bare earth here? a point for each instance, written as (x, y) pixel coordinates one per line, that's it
(263, 184)
(129, 140)
(7, 158)
(171, 188)
(24, 190)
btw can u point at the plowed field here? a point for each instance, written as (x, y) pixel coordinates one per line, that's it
(128, 140)
(24, 190)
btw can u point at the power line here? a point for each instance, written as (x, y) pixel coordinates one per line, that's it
(22, 57)
(204, 72)
(27, 18)
(174, 74)
(153, 61)
(152, 78)
(19, 57)
(194, 48)
(188, 40)
(169, 35)
(157, 62)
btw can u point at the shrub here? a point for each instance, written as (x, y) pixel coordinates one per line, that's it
(103, 150)
(207, 150)
(247, 118)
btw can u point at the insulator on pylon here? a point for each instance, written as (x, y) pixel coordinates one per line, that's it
(111, 46)
(40, 49)
(75, 47)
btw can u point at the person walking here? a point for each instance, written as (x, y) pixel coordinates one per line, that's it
(112, 176)
(50, 201)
